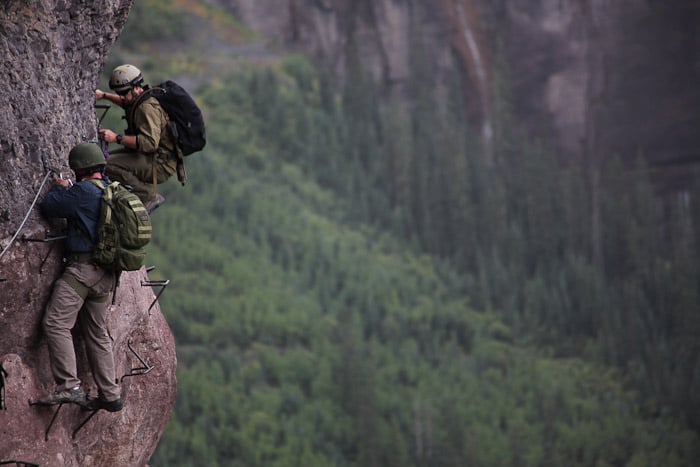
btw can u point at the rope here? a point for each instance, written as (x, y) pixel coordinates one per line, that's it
(28, 212)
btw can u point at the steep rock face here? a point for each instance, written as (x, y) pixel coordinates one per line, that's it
(128, 437)
(609, 77)
(597, 78)
(53, 52)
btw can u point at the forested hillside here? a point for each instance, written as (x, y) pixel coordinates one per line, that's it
(353, 285)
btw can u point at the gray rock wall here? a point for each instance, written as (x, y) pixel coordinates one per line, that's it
(597, 78)
(53, 52)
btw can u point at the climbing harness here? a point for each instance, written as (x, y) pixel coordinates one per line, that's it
(28, 212)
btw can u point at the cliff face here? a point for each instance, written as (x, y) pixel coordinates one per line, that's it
(597, 78)
(53, 52)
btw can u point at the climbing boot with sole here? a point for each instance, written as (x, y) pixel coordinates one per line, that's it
(75, 395)
(97, 404)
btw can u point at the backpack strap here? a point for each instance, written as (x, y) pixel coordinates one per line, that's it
(139, 100)
(98, 182)
(107, 196)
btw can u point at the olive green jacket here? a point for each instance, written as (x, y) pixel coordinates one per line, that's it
(149, 122)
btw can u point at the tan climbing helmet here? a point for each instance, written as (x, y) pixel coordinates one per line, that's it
(125, 77)
(85, 156)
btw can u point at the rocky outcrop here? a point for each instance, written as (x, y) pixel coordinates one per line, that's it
(53, 52)
(597, 79)
(145, 363)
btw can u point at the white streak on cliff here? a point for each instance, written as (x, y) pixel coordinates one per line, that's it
(481, 81)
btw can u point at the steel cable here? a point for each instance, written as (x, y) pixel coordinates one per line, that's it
(14, 237)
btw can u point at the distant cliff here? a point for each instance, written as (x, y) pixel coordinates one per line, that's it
(53, 52)
(596, 78)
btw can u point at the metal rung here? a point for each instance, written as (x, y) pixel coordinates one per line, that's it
(87, 419)
(45, 239)
(3, 375)
(139, 371)
(163, 284)
(53, 419)
(106, 108)
(55, 415)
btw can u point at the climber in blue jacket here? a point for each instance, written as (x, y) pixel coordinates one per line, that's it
(81, 294)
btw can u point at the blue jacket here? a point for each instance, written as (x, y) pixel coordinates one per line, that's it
(78, 204)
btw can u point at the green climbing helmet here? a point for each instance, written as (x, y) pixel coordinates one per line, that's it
(85, 155)
(125, 77)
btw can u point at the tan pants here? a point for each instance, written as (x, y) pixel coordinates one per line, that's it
(136, 170)
(82, 294)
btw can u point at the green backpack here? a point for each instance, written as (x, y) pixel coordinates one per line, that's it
(123, 229)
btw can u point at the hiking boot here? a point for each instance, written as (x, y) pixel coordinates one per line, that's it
(97, 404)
(75, 395)
(153, 203)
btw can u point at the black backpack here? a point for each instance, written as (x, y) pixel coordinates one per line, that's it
(186, 121)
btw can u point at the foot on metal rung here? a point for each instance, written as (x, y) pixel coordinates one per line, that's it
(55, 415)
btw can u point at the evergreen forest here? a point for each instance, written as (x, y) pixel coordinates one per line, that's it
(353, 284)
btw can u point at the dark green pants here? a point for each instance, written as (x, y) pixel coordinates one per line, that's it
(136, 170)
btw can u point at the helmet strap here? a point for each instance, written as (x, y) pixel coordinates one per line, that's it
(80, 174)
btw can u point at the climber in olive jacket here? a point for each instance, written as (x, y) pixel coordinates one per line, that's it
(148, 156)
